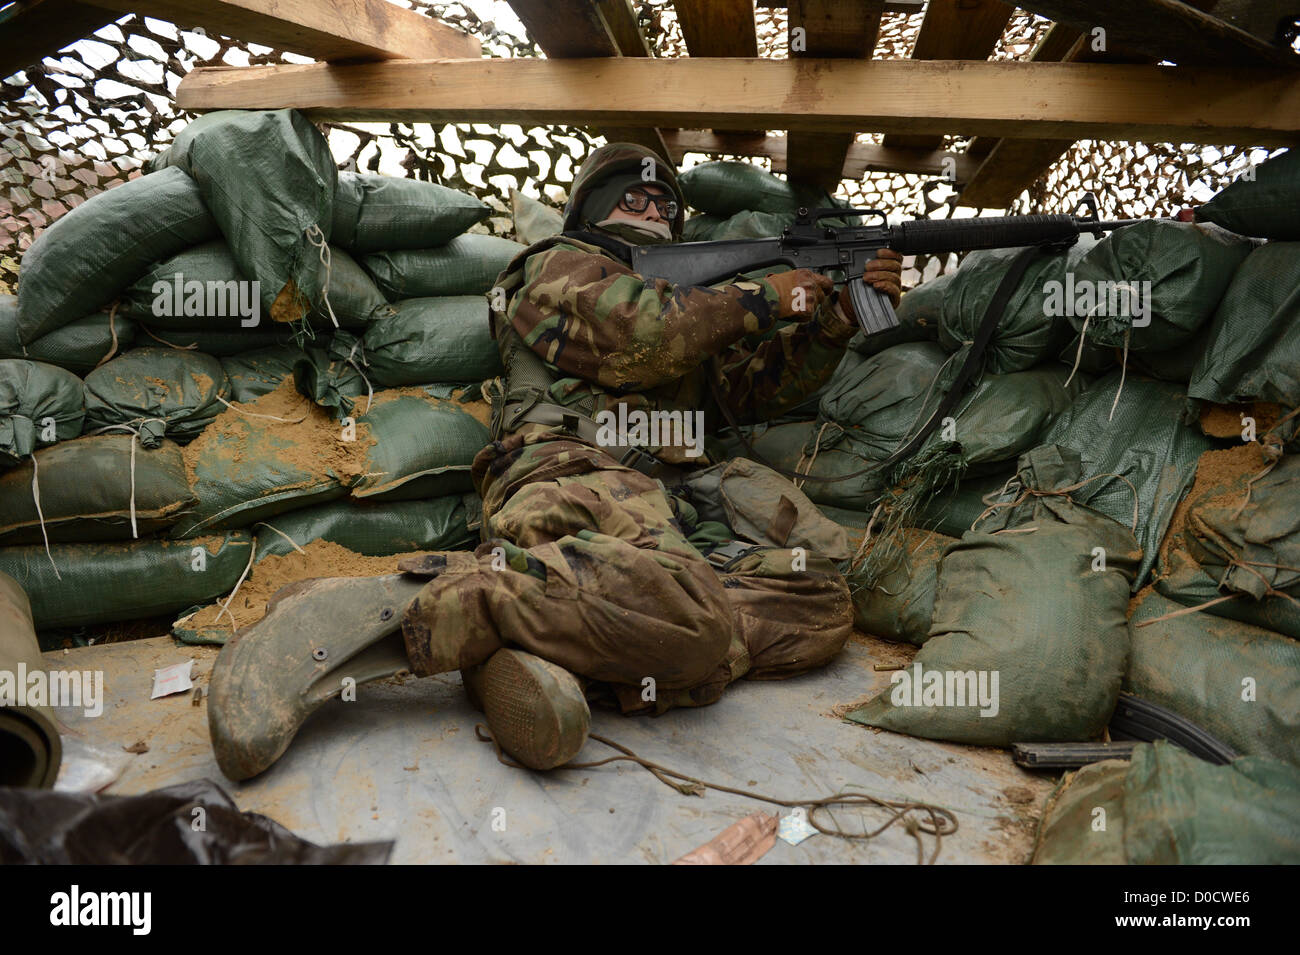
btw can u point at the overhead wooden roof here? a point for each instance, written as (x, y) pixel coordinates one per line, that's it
(384, 62)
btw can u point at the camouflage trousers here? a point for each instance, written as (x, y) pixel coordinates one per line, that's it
(585, 564)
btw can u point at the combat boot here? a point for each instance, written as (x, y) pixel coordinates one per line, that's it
(317, 638)
(536, 710)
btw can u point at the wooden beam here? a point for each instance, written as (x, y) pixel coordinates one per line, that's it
(621, 20)
(1080, 100)
(861, 159)
(891, 7)
(955, 30)
(1166, 30)
(832, 28)
(35, 29)
(718, 27)
(577, 29)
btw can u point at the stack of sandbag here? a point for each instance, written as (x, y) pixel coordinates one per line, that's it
(1166, 807)
(246, 268)
(1028, 635)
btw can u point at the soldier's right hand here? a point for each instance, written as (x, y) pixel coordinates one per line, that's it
(801, 292)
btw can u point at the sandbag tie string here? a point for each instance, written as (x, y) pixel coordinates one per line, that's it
(112, 330)
(803, 456)
(135, 531)
(1059, 492)
(917, 818)
(189, 347)
(317, 238)
(36, 499)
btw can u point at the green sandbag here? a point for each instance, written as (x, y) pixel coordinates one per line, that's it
(729, 187)
(224, 343)
(381, 213)
(39, 405)
(1266, 205)
(700, 228)
(1238, 682)
(255, 373)
(898, 604)
(1027, 333)
(1176, 364)
(269, 179)
(534, 220)
(159, 391)
(1083, 820)
(1253, 552)
(330, 382)
(86, 491)
(1252, 351)
(423, 447)
(873, 405)
(1145, 443)
(1052, 632)
(870, 405)
(467, 265)
(86, 257)
(78, 346)
(424, 340)
(953, 511)
(247, 468)
(751, 225)
(104, 582)
(378, 529)
(203, 289)
(1188, 268)
(1167, 807)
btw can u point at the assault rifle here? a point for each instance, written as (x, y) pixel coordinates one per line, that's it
(843, 251)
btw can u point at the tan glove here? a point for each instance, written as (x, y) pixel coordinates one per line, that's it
(793, 303)
(884, 273)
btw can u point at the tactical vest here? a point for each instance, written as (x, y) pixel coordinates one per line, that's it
(525, 396)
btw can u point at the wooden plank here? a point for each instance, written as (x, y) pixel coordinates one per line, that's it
(578, 29)
(36, 29)
(891, 7)
(321, 29)
(832, 28)
(1166, 30)
(955, 30)
(861, 159)
(1219, 105)
(621, 20)
(718, 27)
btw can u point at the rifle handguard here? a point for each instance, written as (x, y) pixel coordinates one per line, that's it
(937, 236)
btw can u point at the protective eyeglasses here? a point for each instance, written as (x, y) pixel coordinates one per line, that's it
(638, 200)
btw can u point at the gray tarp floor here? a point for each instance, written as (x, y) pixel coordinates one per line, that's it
(402, 763)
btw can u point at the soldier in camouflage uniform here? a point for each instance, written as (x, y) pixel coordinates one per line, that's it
(595, 579)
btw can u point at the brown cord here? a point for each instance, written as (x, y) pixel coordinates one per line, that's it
(940, 822)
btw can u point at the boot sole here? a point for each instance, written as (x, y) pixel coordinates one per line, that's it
(535, 709)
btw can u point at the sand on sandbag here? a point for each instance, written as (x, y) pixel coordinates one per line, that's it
(313, 436)
(320, 558)
(1224, 421)
(479, 409)
(1221, 478)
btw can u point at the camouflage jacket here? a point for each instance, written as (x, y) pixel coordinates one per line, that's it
(610, 334)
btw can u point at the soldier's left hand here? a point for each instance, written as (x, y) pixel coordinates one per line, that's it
(885, 272)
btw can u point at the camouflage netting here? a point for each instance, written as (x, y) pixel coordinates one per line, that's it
(82, 121)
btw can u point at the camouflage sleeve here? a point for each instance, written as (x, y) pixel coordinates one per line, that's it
(594, 318)
(765, 381)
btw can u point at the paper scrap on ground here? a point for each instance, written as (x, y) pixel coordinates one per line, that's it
(176, 678)
(795, 828)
